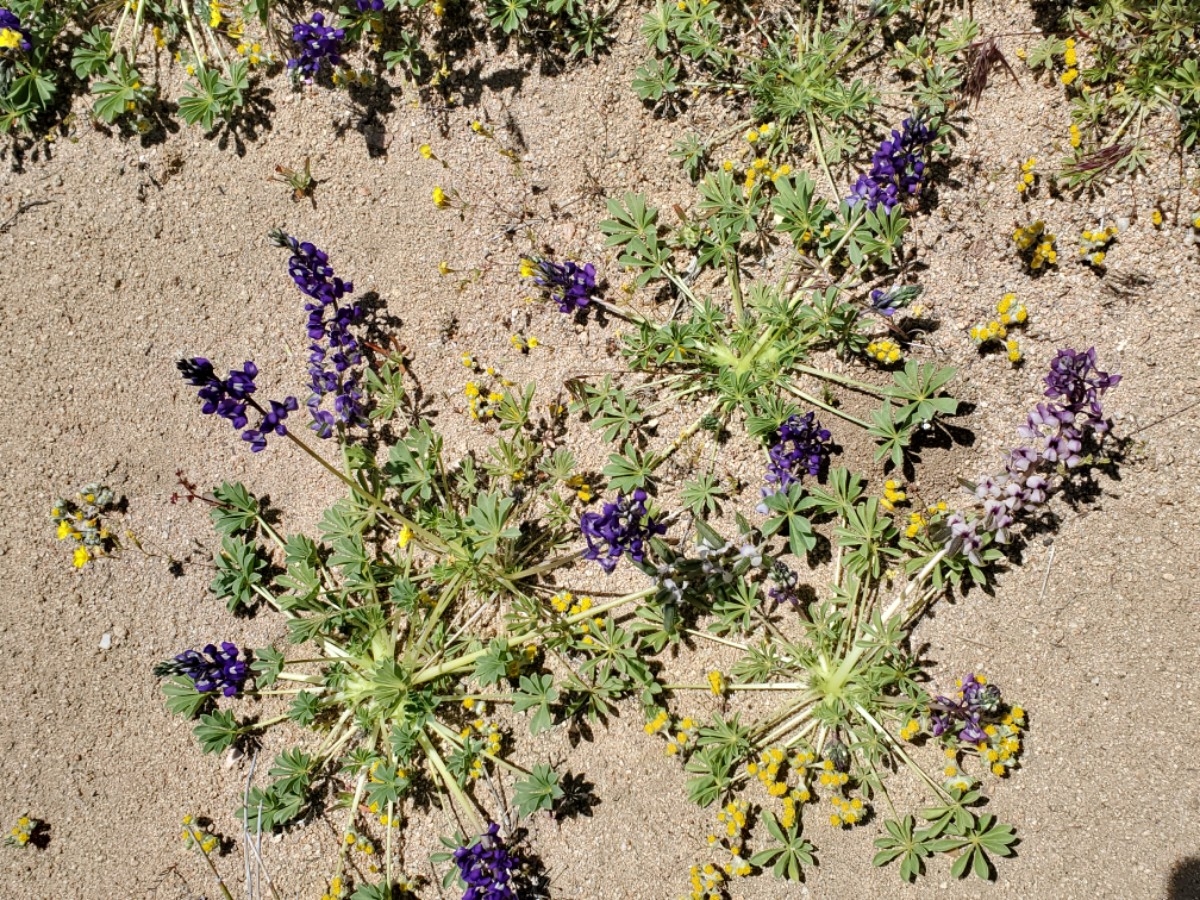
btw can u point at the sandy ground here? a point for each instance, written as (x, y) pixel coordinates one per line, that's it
(142, 254)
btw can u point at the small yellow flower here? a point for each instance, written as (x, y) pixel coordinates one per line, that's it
(716, 683)
(406, 535)
(81, 557)
(1076, 137)
(426, 151)
(532, 342)
(1156, 218)
(1069, 76)
(440, 200)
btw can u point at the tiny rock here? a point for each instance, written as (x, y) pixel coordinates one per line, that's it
(106, 640)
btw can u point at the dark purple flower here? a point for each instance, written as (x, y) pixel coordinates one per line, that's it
(230, 397)
(623, 527)
(964, 717)
(211, 669)
(335, 352)
(896, 167)
(801, 447)
(19, 37)
(1077, 385)
(318, 43)
(568, 284)
(368, 6)
(488, 868)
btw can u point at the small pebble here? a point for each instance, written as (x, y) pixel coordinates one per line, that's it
(106, 640)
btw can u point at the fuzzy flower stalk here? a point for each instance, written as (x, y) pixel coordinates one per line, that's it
(897, 167)
(1053, 438)
(624, 526)
(567, 284)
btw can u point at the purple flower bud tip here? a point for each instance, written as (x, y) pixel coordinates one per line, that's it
(624, 526)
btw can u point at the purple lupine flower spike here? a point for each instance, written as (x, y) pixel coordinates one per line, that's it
(896, 168)
(488, 867)
(211, 669)
(623, 527)
(319, 43)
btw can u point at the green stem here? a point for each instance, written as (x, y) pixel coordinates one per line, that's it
(454, 739)
(781, 686)
(854, 420)
(428, 538)
(735, 287)
(899, 751)
(546, 566)
(863, 387)
(452, 786)
(716, 640)
(820, 151)
(467, 660)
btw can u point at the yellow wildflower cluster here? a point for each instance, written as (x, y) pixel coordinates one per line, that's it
(1156, 217)
(1009, 311)
(1075, 135)
(831, 777)
(885, 350)
(565, 604)
(359, 842)
(733, 818)
(1094, 244)
(706, 882)
(919, 521)
(658, 723)
(684, 737)
(846, 812)
(716, 684)
(769, 770)
(579, 484)
(893, 493)
(1028, 176)
(214, 14)
(22, 833)
(484, 397)
(337, 889)
(1196, 220)
(762, 131)
(80, 521)
(524, 344)
(253, 53)
(487, 731)
(196, 836)
(910, 730)
(1035, 241)
(346, 77)
(1071, 61)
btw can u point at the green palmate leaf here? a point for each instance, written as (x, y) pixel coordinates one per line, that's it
(386, 387)
(702, 494)
(182, 697)
(267, 664)
(797, 214)
(786, 510)
(984, 836)
(493, 665)
(538, 791)
(904, 843)
(634, 228)
(633, 469)
(713, 767)
(655, 78)
(120, 89)
(790, 856)
(507, 15)
(305, 708)
(920, 384)
(269, 808)
(293, 770)
(237, 510)
(92, 56)
(388, 784)
(241, 568)
(536, 692)
(217, 731)
(489, 521)
(893, 437)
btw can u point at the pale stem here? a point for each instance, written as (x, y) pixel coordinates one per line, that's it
(899, 751)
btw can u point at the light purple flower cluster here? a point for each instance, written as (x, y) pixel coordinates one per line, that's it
(230, 397)
(801, 447)
(211, 669)
(1053, 437)
(965, 717)
(896, 167)
(623, 527)
(10, 22)
(568, 284)
(335, 351)
(488, 868)
(319, 43)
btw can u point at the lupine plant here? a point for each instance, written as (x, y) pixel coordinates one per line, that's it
(390, 598)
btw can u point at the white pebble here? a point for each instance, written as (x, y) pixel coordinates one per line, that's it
(106, 640)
